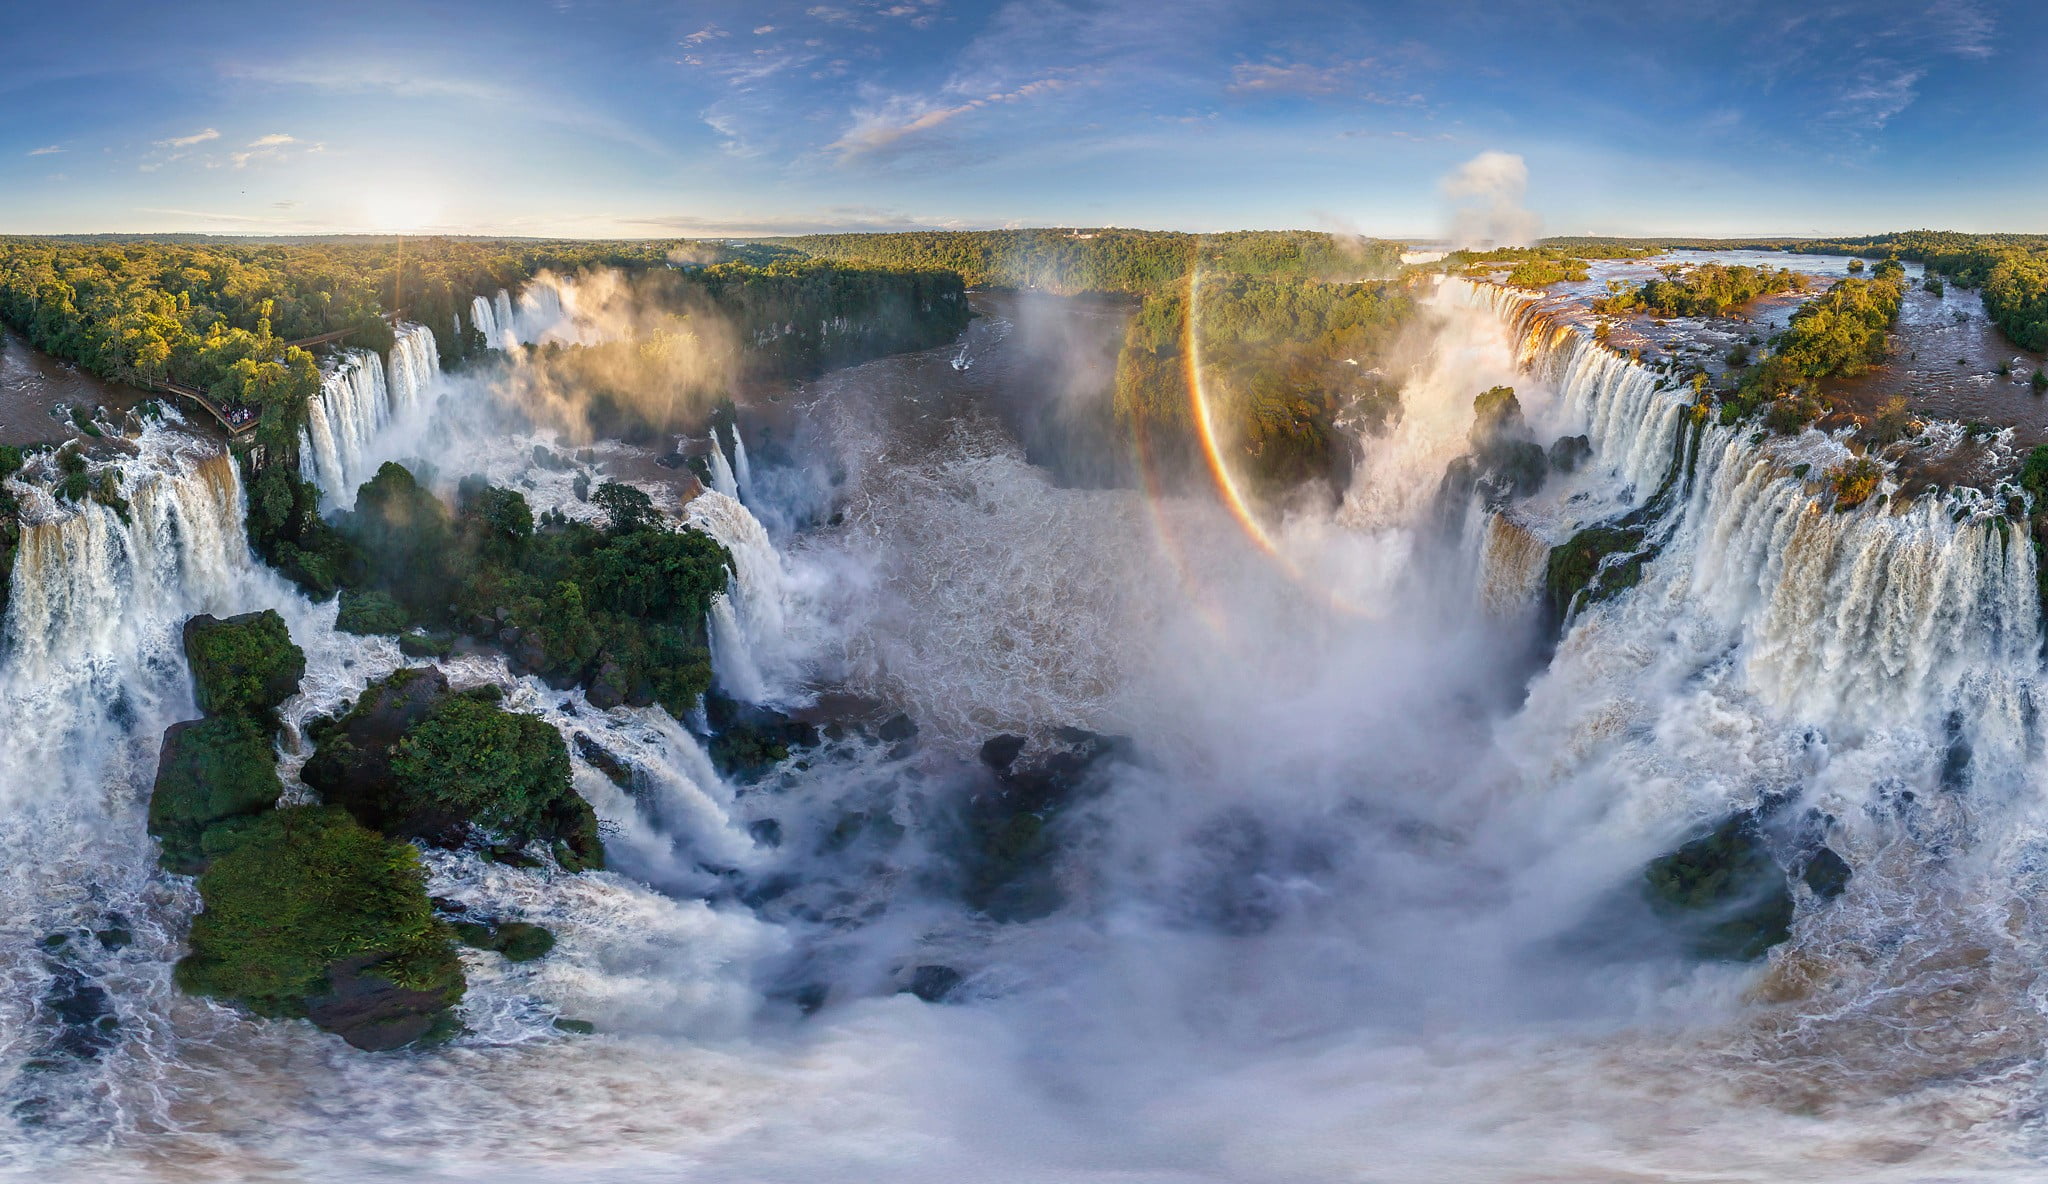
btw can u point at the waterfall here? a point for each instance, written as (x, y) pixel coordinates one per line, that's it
(1511, 563)
(1888, 613)
(743, 469)
(751, 647)
(414, 364)
(722, 478)
(1627, 411)
(484, 319)
(358, 398)
(352, 405)
(507, 336)
(89, 586)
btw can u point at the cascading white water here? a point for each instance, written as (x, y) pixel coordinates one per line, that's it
(742, 468)
(501, 307)
(414, 365)
(88, 584)
(752, 646)
(1407, 1000)
(353, 404)
(483, 317)
(722, 478)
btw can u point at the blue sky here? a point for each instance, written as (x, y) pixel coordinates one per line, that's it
(662, 119)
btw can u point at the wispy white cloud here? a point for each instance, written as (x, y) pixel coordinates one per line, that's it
(892, 119)
(275, 146)
(199, 137)
(49, 150)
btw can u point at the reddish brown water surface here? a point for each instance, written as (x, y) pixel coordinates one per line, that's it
(38, 391)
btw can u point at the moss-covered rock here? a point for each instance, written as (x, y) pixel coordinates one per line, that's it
(1724, 892)
(519, 941)
(309, 914)
(243, 665)
(366, 611)
(210, 771)
(1578, 572)
(748, 740)
(414, 761)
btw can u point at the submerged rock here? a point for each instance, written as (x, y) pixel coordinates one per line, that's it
(1724, 892)
(1010, 844)
(933, 983)
(1826, 873)
(519, 941)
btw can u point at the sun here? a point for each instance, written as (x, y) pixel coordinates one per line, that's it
(401, 210)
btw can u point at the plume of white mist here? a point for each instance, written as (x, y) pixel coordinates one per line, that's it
(1486, 195)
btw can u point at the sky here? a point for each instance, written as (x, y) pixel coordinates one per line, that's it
(646, 120)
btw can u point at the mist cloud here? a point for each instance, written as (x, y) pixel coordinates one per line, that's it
(1486, 195)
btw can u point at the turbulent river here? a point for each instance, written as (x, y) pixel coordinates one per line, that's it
(1338, 916)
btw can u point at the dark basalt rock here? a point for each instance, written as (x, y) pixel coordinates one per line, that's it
(1567, 453)
(1724, 892)
(1000, 752)
(748, 740)
(86, 1023)
(243, 665)
(209, 772)
(933, 983)
(1826, 873)
(618, 772)
(371, 1012)
(351, 768)
(1010, 846)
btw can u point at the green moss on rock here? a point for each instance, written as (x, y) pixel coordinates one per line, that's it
(1724, 891)
(243, 665)
(309, 914)
(210, 771)
(366, 611)
(1580, 565)
(519, 941)
(414, 761)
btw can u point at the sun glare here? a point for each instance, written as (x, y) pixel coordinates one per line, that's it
(400, 210)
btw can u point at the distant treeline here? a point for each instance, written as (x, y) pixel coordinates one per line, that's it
(1070, 262)
(2011, 269)
(1704, 291)
(216, 316)
(1283, 360)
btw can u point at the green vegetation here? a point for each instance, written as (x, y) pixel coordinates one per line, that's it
(1854, 481)
(216, 315)
(1133, 262)
(1591, 566)
(244, 665)
(10, 523)
(1281, 360)
(1708, 290)
(309, 914)
(1839, 333)
(285, 528)
(519, 941)
(619, 610)
(505, 772)
(211, 772)
(413, 761)
(2011, 270)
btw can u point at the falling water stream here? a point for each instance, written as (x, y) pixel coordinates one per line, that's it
(1328, 923)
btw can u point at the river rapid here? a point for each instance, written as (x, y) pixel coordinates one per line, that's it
(1338, 911)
